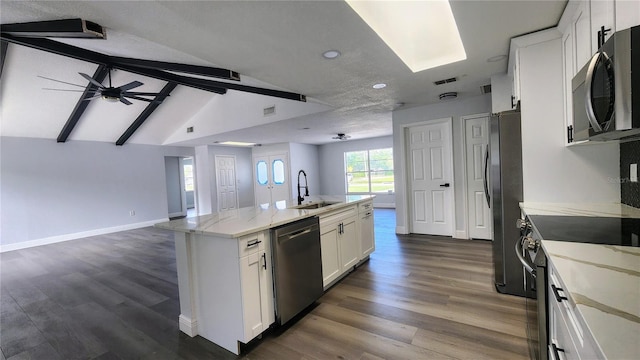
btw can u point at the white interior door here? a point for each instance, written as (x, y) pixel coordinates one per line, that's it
(271, 178)
(226, 182)
(476, 141)
(431, 178)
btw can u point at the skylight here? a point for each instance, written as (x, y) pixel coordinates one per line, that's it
(423, 34)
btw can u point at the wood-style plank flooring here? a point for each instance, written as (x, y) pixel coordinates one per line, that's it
(115, 297)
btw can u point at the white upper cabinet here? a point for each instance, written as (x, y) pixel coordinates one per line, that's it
(602, 17)
(581, 27)
(627, 13)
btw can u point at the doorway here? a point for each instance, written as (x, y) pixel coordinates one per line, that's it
(271, 175)
(430, 177)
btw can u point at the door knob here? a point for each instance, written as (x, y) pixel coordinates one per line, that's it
(445, 185)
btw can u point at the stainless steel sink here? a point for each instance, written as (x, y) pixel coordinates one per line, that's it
(314, 205)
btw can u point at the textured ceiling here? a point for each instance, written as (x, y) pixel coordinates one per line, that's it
(275, 44)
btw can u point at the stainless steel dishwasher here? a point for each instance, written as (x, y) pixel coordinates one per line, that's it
(297, 267)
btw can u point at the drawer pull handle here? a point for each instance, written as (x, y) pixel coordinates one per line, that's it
(253, 243)
(556, 351)
(555, 289)
(264, 257)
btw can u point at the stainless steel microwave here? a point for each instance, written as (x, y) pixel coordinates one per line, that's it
(606, 91)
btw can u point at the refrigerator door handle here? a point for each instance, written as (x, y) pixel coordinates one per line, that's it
(485, 178)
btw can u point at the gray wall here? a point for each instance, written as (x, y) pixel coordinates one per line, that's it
(49, 189)
(304, 157)
(174, 185)
(451, 109)
(332, 178)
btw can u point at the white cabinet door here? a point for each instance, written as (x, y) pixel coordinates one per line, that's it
(367, 238)
(349, 244)
(253, 276)
(330, 253)
(602, 14)
(627, 14)
(582, 34)
(568, 71)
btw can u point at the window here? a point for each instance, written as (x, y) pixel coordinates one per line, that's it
(369, 171)
(278, 172)
(188, 177)
(261, 172)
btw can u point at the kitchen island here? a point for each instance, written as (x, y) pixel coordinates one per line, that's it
(596, 311)
(224, 266)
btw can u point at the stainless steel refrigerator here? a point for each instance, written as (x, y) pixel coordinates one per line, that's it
(503, 187)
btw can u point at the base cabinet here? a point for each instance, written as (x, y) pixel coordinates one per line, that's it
(366, 232)
(226, 287)
(339, 242)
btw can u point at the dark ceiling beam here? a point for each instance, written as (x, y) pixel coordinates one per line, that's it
(92, 56)
(256, 90)
(65, 28)
(100, 74)
(3, 54)
(162, 95)
(183, 68)
(206, 85)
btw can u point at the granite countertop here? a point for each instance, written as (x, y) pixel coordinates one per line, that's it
(602, 281)
(248, 220)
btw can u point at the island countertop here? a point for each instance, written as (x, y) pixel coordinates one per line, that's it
(602, 281)
(248, 220)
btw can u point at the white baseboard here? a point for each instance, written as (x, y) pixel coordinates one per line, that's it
(401, 230)
(461, 234)
(188, 326)
(78, 235)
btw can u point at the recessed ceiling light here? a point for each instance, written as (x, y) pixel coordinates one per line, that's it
(496, 58)
(423, 34)
(331, 54)
(380, 86)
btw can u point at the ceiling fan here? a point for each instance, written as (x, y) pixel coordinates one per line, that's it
(341, 136)
(111, 93)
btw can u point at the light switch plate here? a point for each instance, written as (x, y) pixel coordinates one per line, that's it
(633, 169)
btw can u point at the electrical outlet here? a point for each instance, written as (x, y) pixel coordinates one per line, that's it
(633, 170)
(132, 213)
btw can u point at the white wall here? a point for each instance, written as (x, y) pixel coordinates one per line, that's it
(404, 117)
(304, 157)
(551, 171)
(332, 177)
(51, 191)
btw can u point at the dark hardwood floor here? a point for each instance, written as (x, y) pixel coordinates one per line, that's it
(115, 297)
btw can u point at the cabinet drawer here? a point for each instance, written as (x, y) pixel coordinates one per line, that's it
(250, 244)
(365, 206)
(337, 215)
(561, 346)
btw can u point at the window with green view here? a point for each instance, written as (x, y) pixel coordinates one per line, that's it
(369, 171)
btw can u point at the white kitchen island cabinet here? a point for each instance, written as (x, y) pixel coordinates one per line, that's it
(223, 261)
(226, 291)
(340, 244)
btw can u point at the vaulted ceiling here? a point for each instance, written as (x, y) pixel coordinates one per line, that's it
(272, 44)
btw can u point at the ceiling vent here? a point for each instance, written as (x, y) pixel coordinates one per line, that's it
(448, 95)
(268, 111)
(485, 89)
(190, 129)
(446, 81)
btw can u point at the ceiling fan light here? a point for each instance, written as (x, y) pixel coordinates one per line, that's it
(110, 98)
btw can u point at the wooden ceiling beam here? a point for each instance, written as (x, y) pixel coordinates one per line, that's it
(162, 95)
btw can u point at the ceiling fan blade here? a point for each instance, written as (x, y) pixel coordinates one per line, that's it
(92, 97)
(131, 85)
(62, 90)
(60, 81)
(125, 101)
(140, 93)
(143, 99)
(92, 80)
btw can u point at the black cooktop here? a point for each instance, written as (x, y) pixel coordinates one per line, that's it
(596, 230)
